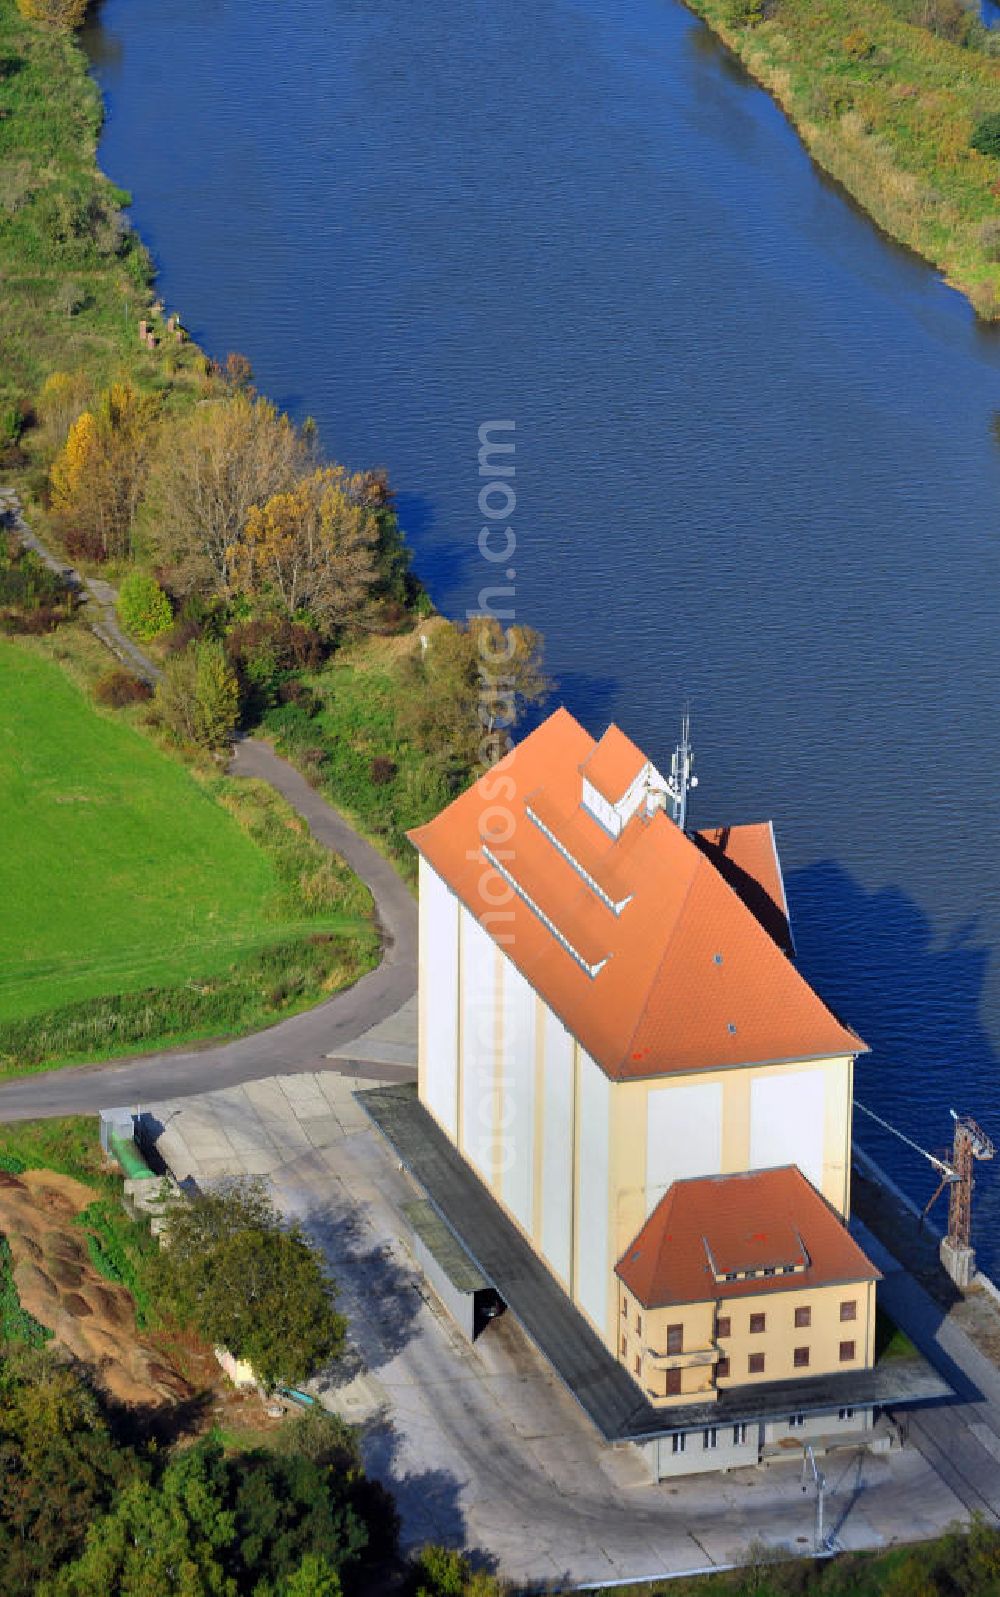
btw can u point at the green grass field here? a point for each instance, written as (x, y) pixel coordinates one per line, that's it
(119, 869)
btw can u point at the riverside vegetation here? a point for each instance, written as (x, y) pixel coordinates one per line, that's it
(271, 586)
(900, 101)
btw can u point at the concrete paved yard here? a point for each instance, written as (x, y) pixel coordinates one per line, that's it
(482, 1446)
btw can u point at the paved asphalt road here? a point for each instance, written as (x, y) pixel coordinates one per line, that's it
(300, 1043)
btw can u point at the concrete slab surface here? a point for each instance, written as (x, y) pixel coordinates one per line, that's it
(482, 1446)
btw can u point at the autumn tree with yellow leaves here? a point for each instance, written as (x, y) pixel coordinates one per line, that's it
(209, 468)
(97, 478)
(312, 551)
(67, 14)
(62, 397)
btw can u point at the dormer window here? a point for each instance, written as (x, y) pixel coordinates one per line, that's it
(618, 781)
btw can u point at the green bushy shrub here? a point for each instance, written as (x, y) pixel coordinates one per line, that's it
(143, 608)
(986, 135)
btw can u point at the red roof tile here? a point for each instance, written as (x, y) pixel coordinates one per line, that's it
(674, 974)
(614, 764)
(762, 1220)
(747, 857)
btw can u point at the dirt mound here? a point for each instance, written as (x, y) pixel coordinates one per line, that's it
(58, 1284)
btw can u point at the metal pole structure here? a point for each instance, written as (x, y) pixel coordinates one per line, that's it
(819, 1479)
(682, 779)
(971, 1142)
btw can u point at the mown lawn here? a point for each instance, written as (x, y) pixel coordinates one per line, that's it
(119, 870)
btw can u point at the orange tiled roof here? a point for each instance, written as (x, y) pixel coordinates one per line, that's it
(711, 1226)
(747, 856)
(614, 764)
(638, 943)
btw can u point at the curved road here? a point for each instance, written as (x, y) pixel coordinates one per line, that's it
(298, 1044)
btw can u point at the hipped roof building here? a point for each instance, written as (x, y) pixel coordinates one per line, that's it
(614, 1035)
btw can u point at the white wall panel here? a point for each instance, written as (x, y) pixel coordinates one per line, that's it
(786, 1122)
(517, 1096)
(480, 1006)
(683, 1136)
(439, 995)
(593, 1262)
(557, 1147)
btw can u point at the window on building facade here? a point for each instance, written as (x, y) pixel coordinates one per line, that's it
(757, 1323)
(846, 1352)
(849, 1310)
(722, 1369)
(673, 1383)
(710, 1437)
(624, 1308)
(624, 1347)
(796, 1422)
(845, 1414)
(638, 1323)
(740, 1435)
(638, 1364)
(755, 1364)
(803, 1318)
(675, 1339)
(724, 1326)
(800, 1358)
(678, 1442)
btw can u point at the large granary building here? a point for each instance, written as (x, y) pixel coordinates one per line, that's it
(614, 1038)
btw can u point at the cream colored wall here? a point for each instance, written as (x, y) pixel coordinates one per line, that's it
(645, 1334)
(630, 1111)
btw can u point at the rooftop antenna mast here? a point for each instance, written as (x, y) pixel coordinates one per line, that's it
(682, 778)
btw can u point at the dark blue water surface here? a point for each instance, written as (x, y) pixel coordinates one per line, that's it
(755, 461)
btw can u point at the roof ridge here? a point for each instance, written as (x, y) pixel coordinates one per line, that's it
(678, 918)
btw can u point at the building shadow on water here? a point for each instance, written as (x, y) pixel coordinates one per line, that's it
(916, 999)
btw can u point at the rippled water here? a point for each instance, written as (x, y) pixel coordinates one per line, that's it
(756, 459)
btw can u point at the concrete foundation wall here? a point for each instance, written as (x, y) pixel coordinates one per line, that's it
(728, 1446)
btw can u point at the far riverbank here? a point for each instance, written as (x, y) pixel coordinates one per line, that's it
(887, 107)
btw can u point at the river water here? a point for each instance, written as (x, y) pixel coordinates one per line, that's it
(755, 449)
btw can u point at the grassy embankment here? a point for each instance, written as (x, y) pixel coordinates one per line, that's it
(355, 742)
(888, 108)
(146, 901)
(71, 291)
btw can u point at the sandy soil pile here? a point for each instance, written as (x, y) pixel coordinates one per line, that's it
(56, 1282)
